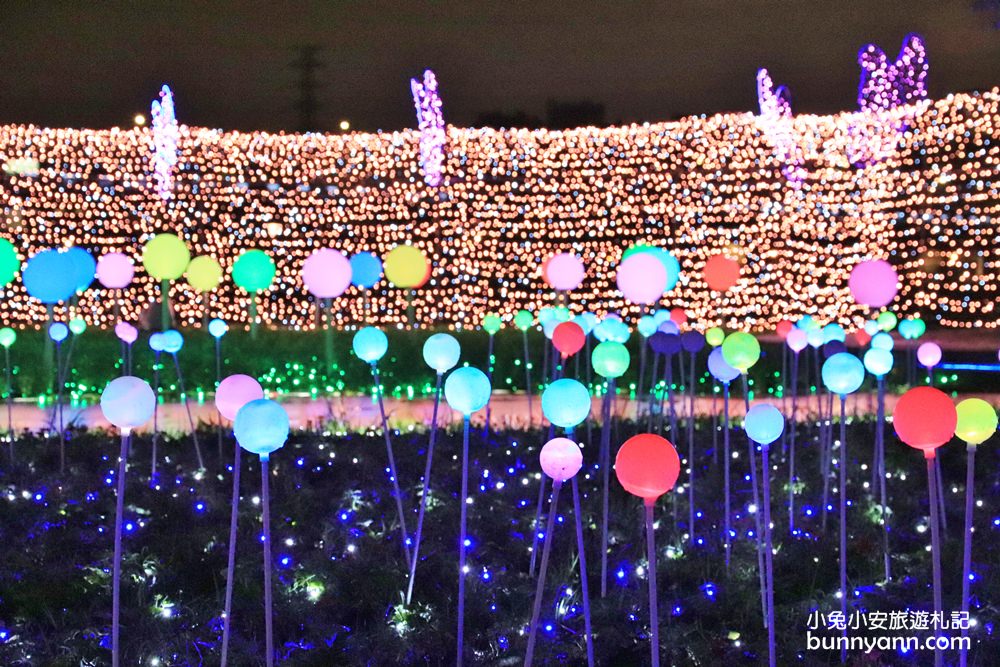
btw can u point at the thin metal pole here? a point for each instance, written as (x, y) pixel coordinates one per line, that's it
(540, 585)
(970, 466)
(654, 614)
(266, 503)
(757, 518)
(156, 411)
(10, 410)
(463, 517)
(527, 376)
(489, 376)
(843, 518)
(218, 381)
(766, 480)
(584, 592)
(793, 421)
(935, 543)
(426, 491)
(725, 468)
(187, 407)
(691, 461)
(880, 436)
(231, 562)
(392, 467)
(117, 565)
(605, 459)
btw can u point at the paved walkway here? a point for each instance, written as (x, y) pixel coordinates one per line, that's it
(360, 412)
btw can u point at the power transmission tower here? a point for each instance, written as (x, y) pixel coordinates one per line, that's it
(308, 105)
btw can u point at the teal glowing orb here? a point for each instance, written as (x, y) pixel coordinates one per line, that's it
(261, 427)
(566, 403)
(882, 341)
(370, 344)
(218, 328)
(878, 361)
(467, 390)
(843, 373)
(7, 337)
(156, 342)
(441, 352)
(646, 326)
(834, 331)
(587, 322)
(173, 341)
(612, 329)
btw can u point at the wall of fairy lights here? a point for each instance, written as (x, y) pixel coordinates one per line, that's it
(509, 198)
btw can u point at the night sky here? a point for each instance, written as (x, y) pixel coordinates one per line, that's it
(97, 64)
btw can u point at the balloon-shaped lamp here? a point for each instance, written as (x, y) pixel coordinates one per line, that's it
(647, 466)
(561, 459)
(566, 403)
(261, 428)
(467, 390)
(127, 402)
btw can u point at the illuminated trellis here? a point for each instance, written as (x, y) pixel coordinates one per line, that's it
(698, 186)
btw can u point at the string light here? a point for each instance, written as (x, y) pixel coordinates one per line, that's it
(699, 186)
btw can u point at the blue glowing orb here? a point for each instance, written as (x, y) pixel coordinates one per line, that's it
(719, 369)
(50, 277)
(366, 270)
(764, 423)
(58, 331)
(128, 402)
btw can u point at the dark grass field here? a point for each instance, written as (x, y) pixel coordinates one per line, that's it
(341, 577)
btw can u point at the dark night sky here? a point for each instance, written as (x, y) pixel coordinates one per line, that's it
(97, 63)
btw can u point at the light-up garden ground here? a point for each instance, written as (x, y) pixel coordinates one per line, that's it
(699, 392)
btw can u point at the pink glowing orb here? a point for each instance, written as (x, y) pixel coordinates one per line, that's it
(873, 283)
(115, 270)
(234, 392)
(327, 273)
(929, 355)
(126, 332)
(564, 271)
(642, 278)
(797, 339)
(561, 458)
